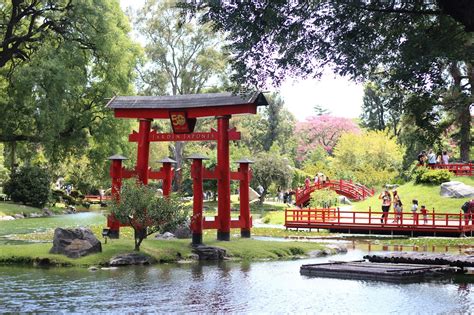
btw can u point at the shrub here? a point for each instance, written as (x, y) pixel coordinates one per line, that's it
(29, 185)
(323, 198)
(424, 175)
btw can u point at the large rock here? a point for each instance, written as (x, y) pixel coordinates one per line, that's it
(456, 190)
(209, 252)
(131, 259)
(75, 243)
(7, 218)
(183, 231)
(165, 236)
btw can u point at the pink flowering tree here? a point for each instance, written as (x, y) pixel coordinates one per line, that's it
(323, 131)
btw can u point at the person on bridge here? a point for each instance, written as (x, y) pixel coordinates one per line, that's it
(396, 200)
(307, 182)
(386, 202)
(468, 208)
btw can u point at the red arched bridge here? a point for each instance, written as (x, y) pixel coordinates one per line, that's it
(349, 189)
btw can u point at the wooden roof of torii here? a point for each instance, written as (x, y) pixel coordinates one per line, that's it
(195, 105)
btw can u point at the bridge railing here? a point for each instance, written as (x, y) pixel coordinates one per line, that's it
(357, 191)
(460, 169)
(335, 216)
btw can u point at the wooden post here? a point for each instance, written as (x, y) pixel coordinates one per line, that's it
(223, 182)
(197, 176)
(116, 174)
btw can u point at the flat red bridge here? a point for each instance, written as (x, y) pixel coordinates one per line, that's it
(336, 220)
(346, 188)
(459, 169)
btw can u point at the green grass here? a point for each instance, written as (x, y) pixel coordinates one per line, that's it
(427, 195)
(162, 251)
(432, 241)
(272, 232)
(10, 208)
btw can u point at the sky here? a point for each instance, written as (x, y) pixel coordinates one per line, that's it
(340, 96)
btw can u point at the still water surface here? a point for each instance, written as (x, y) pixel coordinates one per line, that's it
(259, 287)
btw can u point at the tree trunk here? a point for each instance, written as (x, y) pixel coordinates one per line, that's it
(178, 157)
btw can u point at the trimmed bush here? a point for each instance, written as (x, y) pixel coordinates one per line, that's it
(425, 175)
(29, 185)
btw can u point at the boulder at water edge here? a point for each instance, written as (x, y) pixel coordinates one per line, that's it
(209, 252)
(75, 243)
(456, 190)
(131, 259)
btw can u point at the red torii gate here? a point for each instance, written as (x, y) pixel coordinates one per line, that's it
(183, 111)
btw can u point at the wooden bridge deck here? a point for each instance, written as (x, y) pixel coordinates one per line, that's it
(376, 271)
(335, 220)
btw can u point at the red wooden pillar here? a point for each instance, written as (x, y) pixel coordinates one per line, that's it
(143, 150)
(116, 174)
(245, 219)
(197, 176)
(168, 175)
(223, 182)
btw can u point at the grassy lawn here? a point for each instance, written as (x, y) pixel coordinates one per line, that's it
(433, 241)
(161, 250)
(427, 195)
(10, 208)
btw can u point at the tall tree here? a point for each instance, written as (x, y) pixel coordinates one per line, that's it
(183, 58)
(56, 99)
(417, 42)
(25, 24)
(382, 107)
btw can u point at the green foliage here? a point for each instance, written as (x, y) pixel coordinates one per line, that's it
(323, 198)
(147, 213)
(269, 168)
(372, 158)
(424, 175)
(299, 177)
(29, 185)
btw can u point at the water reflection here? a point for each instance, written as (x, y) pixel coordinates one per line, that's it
(243, 287)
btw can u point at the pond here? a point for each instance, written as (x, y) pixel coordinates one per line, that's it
(240, 287)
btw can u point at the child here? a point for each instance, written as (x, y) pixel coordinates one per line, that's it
(414, 208)
(398, 210)
(424, 212)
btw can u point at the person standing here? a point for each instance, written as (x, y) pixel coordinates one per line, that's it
(431, 158)
(396, 200)
(386, 202)
(445, 157)
(468, 209)
(307, 182)
(414, 208)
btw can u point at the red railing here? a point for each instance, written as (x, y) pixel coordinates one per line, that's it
(346, 188)
(321, 217)
(460, 169)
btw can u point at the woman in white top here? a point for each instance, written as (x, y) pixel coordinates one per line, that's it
(445, 157)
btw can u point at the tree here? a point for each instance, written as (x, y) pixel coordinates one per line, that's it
(382, 108)
(320, 110)
(270, 169)
(372, 158)
(416, 43)
(25, 24)
(53, 104)
(322, 131)
(183, 58)
(29, 185)
(147, 213)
